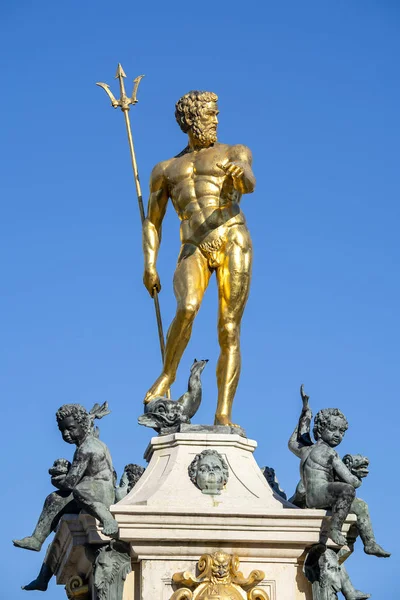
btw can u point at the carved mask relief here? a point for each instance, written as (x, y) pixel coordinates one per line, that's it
(209, 472)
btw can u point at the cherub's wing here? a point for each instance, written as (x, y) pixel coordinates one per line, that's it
(98, 412)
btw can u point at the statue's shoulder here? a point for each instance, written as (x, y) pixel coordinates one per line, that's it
(159, 169)
(240, 152)
(92, 445)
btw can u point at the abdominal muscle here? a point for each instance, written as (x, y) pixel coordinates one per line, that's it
(205, 220)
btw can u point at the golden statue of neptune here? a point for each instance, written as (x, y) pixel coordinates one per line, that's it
(205, 183)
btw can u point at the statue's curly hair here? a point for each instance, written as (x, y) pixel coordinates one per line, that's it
(189, 106)
(322, 417)
(134, 473)
(77, 411)
(192, 469)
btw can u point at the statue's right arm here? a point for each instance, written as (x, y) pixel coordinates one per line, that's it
(151, 234)
(300, 438)
(294, 445)
(77, 470)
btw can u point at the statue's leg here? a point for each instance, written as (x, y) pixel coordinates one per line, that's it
(96, 497)
(190, 282)
(341, 495)
(360, 508)
(347, 588)
(53, 508)
(233, 278)
(42, 580)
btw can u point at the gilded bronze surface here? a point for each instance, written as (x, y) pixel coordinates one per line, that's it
(220, 578)
(205, 183)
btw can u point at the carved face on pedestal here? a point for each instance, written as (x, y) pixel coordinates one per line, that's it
(220, 568)
(209, 472)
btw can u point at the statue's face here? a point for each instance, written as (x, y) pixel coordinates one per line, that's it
(210, 474)
(333, 432)
(103, 575)
(204, 126)
(71, 431)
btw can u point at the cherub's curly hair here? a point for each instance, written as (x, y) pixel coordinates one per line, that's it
(189, 106)
(77, 411)
(322, 417)
(134, 473)
(192, 469)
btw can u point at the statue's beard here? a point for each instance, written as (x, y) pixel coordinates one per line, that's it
(206, 136)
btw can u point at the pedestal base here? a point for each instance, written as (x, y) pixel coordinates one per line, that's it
(170, 523)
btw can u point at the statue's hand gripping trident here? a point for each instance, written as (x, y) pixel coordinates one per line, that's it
(124, 103)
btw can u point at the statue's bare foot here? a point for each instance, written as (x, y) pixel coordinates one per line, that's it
(159, 388)
(29, 543)
(36, 584)
(110, 528)
(42, 580)
(358, 596)
(337, 537)
(376, 550)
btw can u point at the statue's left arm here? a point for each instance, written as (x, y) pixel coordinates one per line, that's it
(239, 167)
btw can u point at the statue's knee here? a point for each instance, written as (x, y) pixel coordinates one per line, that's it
(228, 332)
(349, 491)
(360, 507)
(188, 311)
(51, 499)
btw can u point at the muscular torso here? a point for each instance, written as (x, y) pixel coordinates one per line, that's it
(203, 197)
(99, 465)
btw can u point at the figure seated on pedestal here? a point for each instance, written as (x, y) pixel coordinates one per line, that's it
(130, 477)
(326, 481)
(88, 483)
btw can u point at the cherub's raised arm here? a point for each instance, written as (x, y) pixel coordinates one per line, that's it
(151, 233)
(300, 437)
(294, 445)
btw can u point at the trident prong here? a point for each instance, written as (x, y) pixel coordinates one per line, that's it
(125, 103)
(106, 88)
(135, 88)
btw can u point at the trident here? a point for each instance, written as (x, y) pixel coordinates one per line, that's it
(125, 103)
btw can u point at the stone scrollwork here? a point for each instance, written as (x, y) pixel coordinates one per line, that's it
(219, 577)
(76, 589)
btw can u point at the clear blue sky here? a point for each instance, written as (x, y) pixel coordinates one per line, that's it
(313, 89)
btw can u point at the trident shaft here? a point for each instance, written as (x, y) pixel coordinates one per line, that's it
(124, 103)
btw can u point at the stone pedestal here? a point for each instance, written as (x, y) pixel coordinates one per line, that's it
(169, 523)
